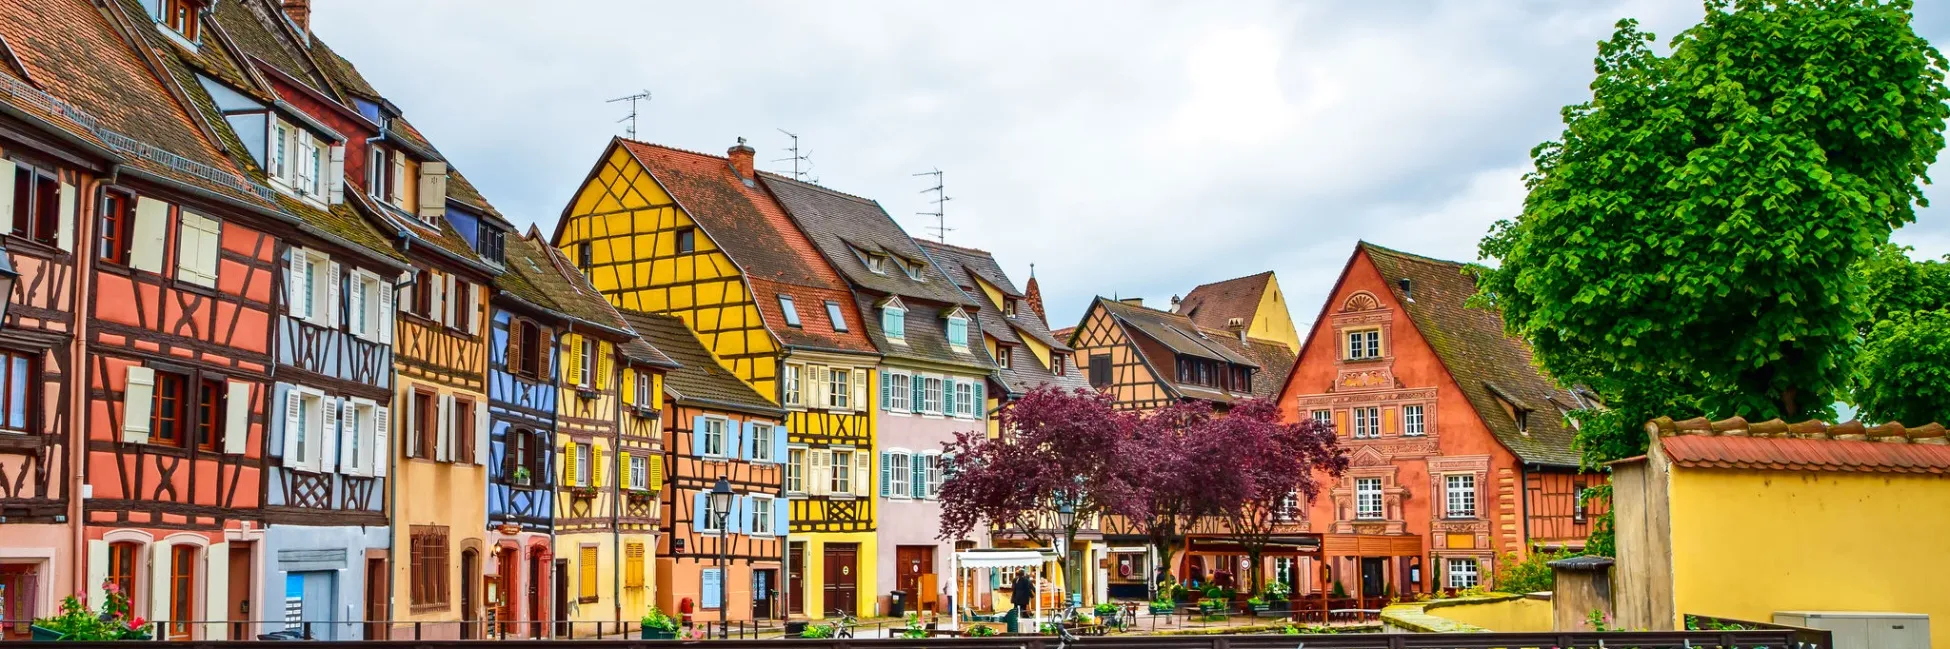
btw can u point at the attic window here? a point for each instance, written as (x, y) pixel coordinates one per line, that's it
(877, 264)
(913, 271)
(686, 241)
(1003, 354)
(179, 16)
(1009, 308)
(833, 313)
(790, 310)
(1056, 364)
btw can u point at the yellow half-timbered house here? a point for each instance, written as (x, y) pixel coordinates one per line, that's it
(662, 230)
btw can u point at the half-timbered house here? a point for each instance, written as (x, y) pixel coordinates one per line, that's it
(713, 563)
(934, 374)
(1459, 448)
(521, 418)
(661, 230)
(1147, 358)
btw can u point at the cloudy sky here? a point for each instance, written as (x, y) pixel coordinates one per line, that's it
(1126, 148)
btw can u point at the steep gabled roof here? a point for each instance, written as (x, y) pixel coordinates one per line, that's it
(1213, 305)
(963, 264)
(744, 221)
(1483, 360)
(1275, 360)
(699, 379)
(1174, 331)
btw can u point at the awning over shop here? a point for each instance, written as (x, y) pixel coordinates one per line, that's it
(1004, 558)
(1278, 546)
(1374, 545)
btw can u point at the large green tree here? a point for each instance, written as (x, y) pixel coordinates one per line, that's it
(1902, 372)
(1686, 246)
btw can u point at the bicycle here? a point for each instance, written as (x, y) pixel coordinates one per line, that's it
(844, 623)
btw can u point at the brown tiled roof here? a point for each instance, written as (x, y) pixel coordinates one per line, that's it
(1033, 294)
(700, 377)
(1275, 360)
(76, 56)
(1807, 446)
(253, 25)
(1213, 305)
(1483, 360)
(639, 351)
(1023, 373)
(342, 71)
(464, 192)
(1064, 333)
(1174, 331)
(815, 330)
(567, 289)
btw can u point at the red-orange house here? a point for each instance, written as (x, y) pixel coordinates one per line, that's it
(1459, 448)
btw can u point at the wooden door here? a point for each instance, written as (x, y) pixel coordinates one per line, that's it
(240, 590)
(795, 588)
(765, 588)
(562, 596)
(376, 612)
(507, 564)
(912, 561)
(1374, 574)
(469, 569)
(537, 613)
(842, 578)
(20, 593)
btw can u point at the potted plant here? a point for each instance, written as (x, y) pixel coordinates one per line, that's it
(1162, 606)
(583, 492)
(1257, 604)
(521, 475)
(658, 626)
(982, 631)
(1108, 613)
(1211, 605)
(817, 631)
(79, 623)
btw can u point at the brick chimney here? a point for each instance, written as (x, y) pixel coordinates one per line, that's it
(1133, 301)
(299, 11)
(741, 159)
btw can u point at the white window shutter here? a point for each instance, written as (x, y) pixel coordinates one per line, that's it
(822, 473)
(453, 305)
(406, 426)
(332, 284)
(293, 402)
(196, 249)
(382, 454)
(7, 187)
(399, 179)
(147, 237)
(386, 312)
(237, 418)
(443, 442)
(433, 190)
(335, 175)
(328, 435)
(859, 397)
(480, 432)
(64, 231)
(291, 275)
(356, 308)
(473, 308)
(138, 400)
(159, 581)
(862, 469)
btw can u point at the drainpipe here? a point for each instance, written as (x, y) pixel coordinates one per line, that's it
(77, 380)
(616, 495)
(392, 473)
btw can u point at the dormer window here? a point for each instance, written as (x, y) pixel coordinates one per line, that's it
(1003, 355)
(1056, 364)
(877, 264)
(1009, 308)
(297, 162)
(1364, 344)
(790, 310)
(893, 322)
(382, 178)
(180, 16)
(958, 331)
(490, 244)
(913, 271)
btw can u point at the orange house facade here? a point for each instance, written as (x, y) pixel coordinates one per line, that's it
(1460, 451)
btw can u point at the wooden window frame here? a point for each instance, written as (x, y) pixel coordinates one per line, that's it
(37, 204)
(1363, 344)
(839, 389)
(841, 481)
(1420, 421)
(900, 473)
(29, 393)
(117, 218)
(428, 570)
(180, 16)
(528, 358)
(423, 293)
(1004, 356)
(1380, 503)
(463, 299)
(685, 241)
(169, 407)
(795, 470)
(122, 565)
(753, 526)
(1056, 363)
(210, 413)
(463, 411)
(426, 423)
(182, 590)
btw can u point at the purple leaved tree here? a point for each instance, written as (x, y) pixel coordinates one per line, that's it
(1271, 471)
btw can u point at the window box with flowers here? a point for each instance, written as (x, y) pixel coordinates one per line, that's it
(79, 623)
(646, 412)
(584, 492)
(639, 496)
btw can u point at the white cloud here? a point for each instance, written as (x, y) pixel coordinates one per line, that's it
(1137, 148)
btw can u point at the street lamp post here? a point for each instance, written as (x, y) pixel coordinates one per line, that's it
(1066, 515)
(721, 508)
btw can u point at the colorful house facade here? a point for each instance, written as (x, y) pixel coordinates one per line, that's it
(661, 230)
(1741, 520)
(933, 374)
(1459, 448)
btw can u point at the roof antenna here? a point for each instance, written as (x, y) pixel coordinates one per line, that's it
(940, 203)
(796, 158)
(643, 96)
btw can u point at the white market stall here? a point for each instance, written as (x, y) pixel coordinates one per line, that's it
(994, 559)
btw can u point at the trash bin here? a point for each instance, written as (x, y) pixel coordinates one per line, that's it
(795, 629)
(1010, 619)
(897, 603)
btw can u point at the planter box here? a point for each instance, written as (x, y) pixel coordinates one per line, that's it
(656, 634)
(1160, 610)
(44, 634)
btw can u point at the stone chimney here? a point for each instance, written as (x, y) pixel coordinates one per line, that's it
(1034, 296)
(1237, 326)
(1174, 303)
(741, 159)
(299, 11)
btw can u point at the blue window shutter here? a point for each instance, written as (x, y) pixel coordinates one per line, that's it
(698, 520)
(751, 434)
(981, 401)
(731, 430)
(709, 582)
(919, 484)
(920, 390)
(781, 517)
(779, 453)
(885, 389)
(884, 472)
(697, 435)
(738, 508)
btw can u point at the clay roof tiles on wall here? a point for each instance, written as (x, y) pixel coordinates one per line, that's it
(1806, 446)
(1483, 360)
(1213, 305)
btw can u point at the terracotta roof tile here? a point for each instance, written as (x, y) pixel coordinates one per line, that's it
(815, 329)
(1213, 305)
(1483, 359)
(1275, 361)
(700, 377)
(1807, 446)
(254, 26)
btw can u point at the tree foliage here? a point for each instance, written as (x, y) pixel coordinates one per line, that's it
(1171, 468)
(1685, 248)
(1270, 470)
(1902, 371)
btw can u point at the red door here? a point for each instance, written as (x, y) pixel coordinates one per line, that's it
(20, 592)
(842, 578)
(795, 588)
(912, 561)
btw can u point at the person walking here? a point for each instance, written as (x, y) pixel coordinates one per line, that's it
(1023, 594)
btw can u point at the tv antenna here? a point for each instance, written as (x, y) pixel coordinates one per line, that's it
(641, 96)
(798, 157)
(940, 204)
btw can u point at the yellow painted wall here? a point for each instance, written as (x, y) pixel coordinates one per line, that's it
(1748, 543)
(637, 601)
(452, 494)
(1518, 615)
(1037, 349)
(1273, 320)
(631, 224)
(569, 546)
(815, 571)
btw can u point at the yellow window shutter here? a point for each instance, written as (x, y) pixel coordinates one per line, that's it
(1340, 423)
(656, 481)
(629, 388)
(589, 555)
(595, 466)
(571, 358)
(569, 465)
(1388, 420)
(603, 364)
(623, 477)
